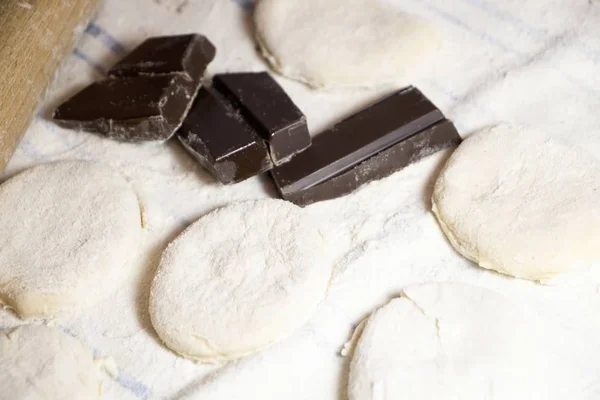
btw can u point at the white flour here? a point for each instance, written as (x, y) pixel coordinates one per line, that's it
(532, 62)
(478, 344)
(38, 362)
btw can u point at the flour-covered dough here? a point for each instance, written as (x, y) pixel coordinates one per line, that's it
(454, 342)
(39, 362)
(67, 233)
(336, 43)
(522, 204)
(240, 279)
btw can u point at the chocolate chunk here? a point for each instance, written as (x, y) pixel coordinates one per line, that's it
(185, 54)
(357, 138)
(271, 112)
(130, 109)
(433, 139)
(148, 93)
(217, 135)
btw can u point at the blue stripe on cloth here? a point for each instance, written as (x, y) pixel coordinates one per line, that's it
(77, 53)
(451, 18)
(99, 32)
(247, 5)
(141, 391)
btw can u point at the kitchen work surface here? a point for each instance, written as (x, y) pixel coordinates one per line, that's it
(534, 64)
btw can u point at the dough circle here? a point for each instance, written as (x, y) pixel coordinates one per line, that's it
(333, 43)
(239, 280)
(522, 204)
(452, 341)
(39, 362)
(68, 231)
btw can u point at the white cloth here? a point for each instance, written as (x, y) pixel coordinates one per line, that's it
(531, 63)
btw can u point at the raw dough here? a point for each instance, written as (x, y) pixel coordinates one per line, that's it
(38, 362)
(453, 341)
(68, 231)
(341, 42)
(522, 204)
(240, 279)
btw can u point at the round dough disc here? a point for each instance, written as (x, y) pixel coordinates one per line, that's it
(239, 280)
(341, 42)
(68, 230)
(452, 341)
(41, 362)
(514, 201)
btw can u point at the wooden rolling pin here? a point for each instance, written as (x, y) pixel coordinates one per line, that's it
(35, 36)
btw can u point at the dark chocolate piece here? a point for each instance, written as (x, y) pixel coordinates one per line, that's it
(185, 54)
(433, 139)
(268, 108)
(217, 135)
(148, 95)
(130, 109)
(357, 138)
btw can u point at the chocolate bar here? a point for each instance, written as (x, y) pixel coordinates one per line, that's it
(129, 109)
(266, 106)
(148, 93)
(357, 138)
(217, 135)
(438, 137)
(185, 54)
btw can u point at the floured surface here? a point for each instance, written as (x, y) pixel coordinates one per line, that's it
(39, 362)
(532, 64)
(531, 210)
(450, 341)
(222, 294)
